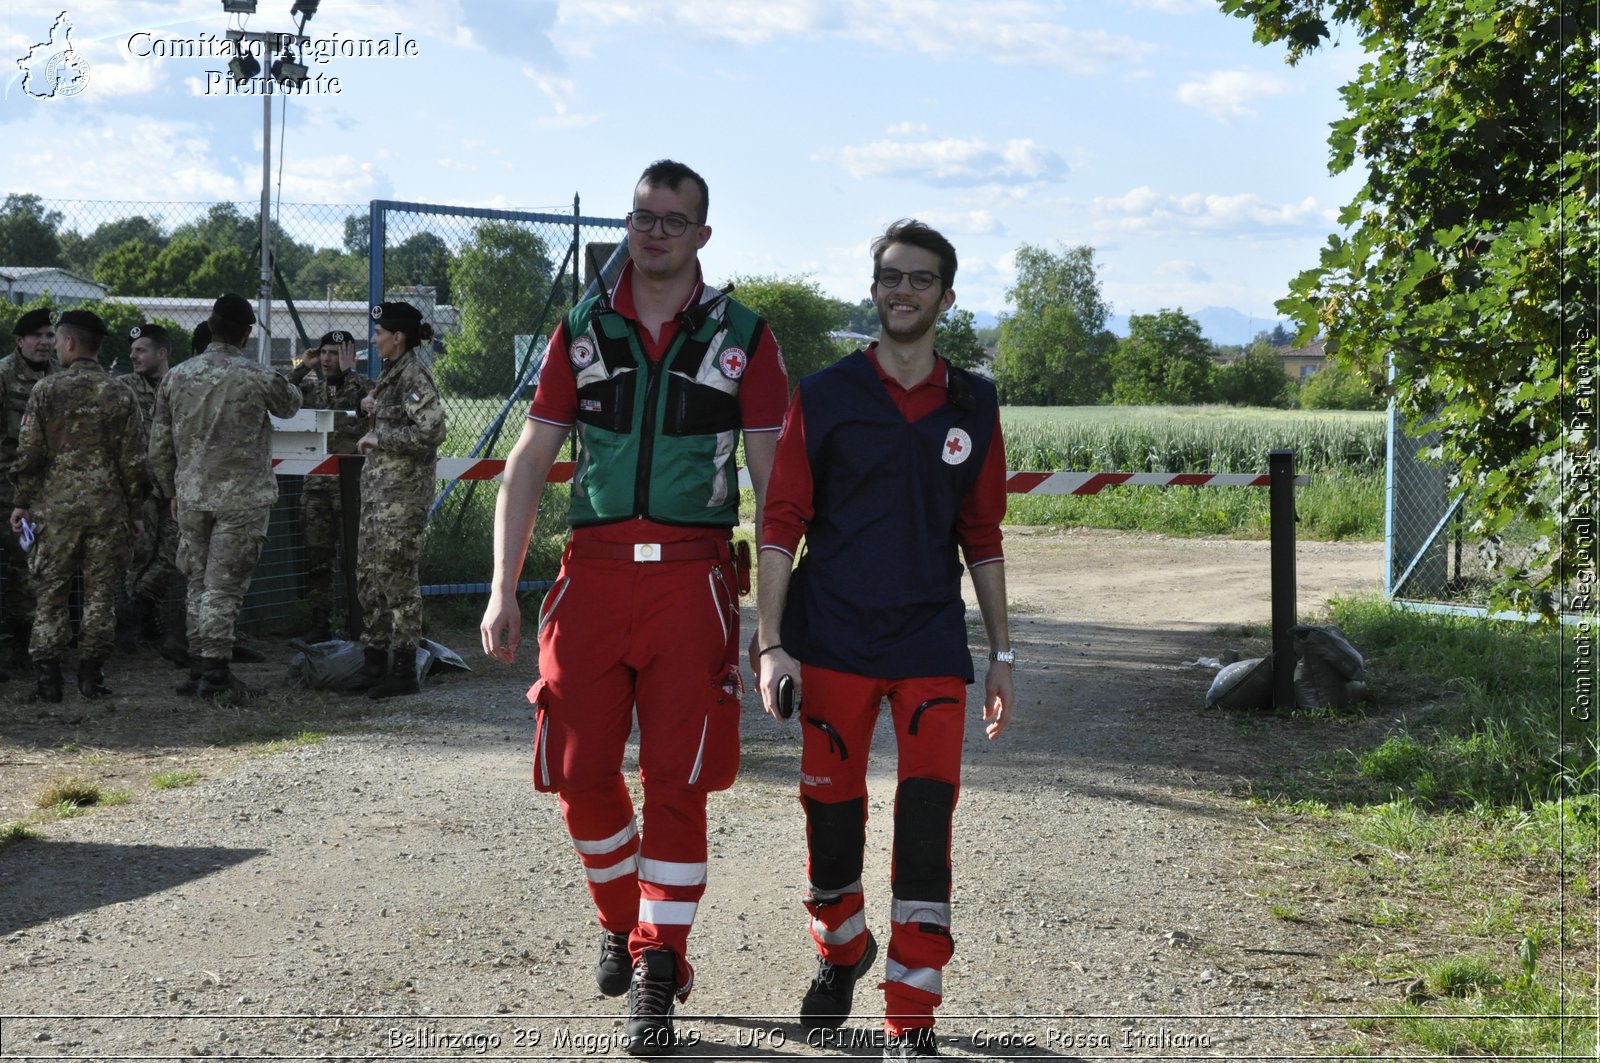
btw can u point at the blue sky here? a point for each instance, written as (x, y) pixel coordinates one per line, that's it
(1191, 158)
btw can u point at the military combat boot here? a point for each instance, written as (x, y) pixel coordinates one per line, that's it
(402, 677)
(216, 679)
(374, 664)
(321, 629)
(92, 680)
(48, 684)
(130, 618)
(191, 686)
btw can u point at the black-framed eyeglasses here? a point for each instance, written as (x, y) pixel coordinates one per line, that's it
(644, 221)
(921, 279)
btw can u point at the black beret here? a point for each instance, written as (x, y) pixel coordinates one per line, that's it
(234, 308)
(397, 317)
(32, 321)
(87, 320)
(337, 336)
(154, 332)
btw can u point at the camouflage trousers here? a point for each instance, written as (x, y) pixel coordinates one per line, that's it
(154, 562)
(57, 555)
(320, 530)
(387, 579)
(217, 552)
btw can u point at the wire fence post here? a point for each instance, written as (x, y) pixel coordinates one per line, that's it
(1280, 505)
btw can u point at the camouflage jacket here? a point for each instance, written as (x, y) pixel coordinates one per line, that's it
(17, 378)
(211, 436)
(81, 454)
(317, 392)
(408, 423)
(144, 389)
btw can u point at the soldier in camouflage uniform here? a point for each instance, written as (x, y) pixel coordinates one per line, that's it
(30, 363)
(337, 387)
(154, 563)
(211, 451)
(79, 478)
(397, 485)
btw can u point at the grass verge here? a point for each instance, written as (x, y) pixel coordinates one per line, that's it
(1463, 846)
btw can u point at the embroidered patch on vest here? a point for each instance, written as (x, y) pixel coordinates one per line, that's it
(957, 446)
(582, 353)
(415, 396)
(733, 363)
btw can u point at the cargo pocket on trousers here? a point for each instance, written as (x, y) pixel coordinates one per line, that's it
(543, 779)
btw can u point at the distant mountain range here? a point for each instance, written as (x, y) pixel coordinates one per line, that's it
(1219, 324)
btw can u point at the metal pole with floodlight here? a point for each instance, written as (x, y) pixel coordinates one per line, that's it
(291, 73)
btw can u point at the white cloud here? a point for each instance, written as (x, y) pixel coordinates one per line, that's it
(951, 161)
(1145, 211)
(1013, 32)
(1225, 95)
(1184, 270)
(963, 222)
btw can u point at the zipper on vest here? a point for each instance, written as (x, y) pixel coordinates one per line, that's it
(647, 437)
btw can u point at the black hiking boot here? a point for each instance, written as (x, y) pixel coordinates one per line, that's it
(917, 1043)
(827, 1003)
(191, 686)
(217, 679)
(613, 971)
(651, 996)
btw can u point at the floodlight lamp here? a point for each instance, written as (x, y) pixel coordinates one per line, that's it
(239, 7)
(304, 7)
(289, 70)
(243, 66)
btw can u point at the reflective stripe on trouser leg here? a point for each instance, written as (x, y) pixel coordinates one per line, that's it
(606, 837)
(920, 944)
(836, 834)
(672, 871)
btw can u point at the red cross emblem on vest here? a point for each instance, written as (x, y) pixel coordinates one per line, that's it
(957, 447)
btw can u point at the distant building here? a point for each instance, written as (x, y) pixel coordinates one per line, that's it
(24, 284)
(1300, 363)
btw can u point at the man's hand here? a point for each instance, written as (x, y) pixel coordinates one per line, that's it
(769, 669)
(19, 515)
(998, 696)
(367, 403)
(501, 629)
(366, 443)
(347, 355)
(309, 356)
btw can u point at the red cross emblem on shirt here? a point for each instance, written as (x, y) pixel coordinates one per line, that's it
(733, 362)
(957, 447)
(953, 445)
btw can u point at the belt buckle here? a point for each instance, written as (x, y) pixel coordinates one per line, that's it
(647, 551)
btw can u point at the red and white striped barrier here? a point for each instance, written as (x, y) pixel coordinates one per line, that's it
(1017, 483)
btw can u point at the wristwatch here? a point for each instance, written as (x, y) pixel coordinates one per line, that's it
(1003, 656)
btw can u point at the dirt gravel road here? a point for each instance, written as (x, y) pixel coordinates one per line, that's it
(397, 890)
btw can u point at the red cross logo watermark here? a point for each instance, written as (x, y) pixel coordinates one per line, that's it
(957, 447)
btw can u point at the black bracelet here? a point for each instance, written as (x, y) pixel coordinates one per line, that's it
(769, 649)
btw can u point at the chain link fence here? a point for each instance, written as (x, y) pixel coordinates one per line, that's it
(1432, 560)
(493, 284)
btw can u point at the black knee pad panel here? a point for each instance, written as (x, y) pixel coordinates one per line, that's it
(923, 809)
(836, 834)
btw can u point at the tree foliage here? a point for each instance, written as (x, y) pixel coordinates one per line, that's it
(801, 317)
(1468, 260)
(1165, 361)
(29, 232)
(1054, 346)
(420, 259)
(1338, 387)
(502, 279)
(956, 338)
(1255, 378)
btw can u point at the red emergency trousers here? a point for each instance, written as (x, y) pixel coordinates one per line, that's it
(837, 716)
(660, 638)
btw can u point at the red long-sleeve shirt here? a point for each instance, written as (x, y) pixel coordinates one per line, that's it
(789, 493)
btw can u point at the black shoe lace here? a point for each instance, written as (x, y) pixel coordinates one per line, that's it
(826, 973)
(613, 946)
(652, 996)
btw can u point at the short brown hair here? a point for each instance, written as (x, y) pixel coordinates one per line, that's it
(917, 234)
